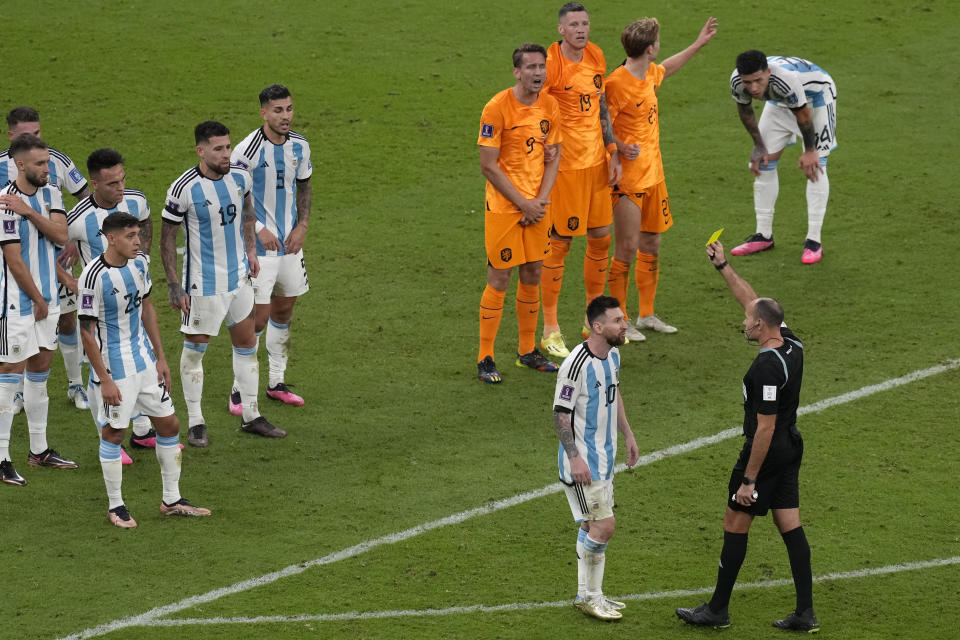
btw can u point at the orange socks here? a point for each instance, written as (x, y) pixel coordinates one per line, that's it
(618, 282)
(595, 266)
(646, 275)
(528, 312)
(491, 311)
(552, 279)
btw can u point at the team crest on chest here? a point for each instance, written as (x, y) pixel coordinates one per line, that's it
(598, 81)
(545, 127)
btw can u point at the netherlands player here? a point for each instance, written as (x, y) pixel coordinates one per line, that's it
(118, 325)
(641, 209)
(278, 159)
(581, 197)
(108, 179)
(213, 200)
(588, 412)
(516, 127)
(32, 220)
(66, 177)
(799, 101)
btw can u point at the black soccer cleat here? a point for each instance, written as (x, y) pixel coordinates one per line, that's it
(9, 475)
(197, 436)
(536, 360)
(146, 441)
(702, 616)
(50, 458)
(805, 621)
(260, 427)
(487, 371)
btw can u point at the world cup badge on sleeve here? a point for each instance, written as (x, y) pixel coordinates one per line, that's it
(86, 302)
(9, 225)
(566, 392)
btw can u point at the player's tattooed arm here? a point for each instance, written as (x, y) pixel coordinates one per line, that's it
(168, 255)
(758, 158)
(808, 134)
(298, 234)
(146, 235)
(605, 123)
(562, 421)
(249, 225)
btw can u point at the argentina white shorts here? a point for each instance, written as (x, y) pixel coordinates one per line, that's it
(208, 313)
(778, 127)
(22, 336)
(592, 501)
(139, 393)
(284, 276)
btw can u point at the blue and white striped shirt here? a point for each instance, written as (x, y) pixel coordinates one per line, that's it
(85, 220)
(793, 83)
(63, 173)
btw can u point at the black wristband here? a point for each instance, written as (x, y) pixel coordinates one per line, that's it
(748, 480)
(719, 267)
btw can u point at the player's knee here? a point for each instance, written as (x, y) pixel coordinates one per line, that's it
(649, 243)
(168, 426)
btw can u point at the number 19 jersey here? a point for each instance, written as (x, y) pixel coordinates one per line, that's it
(215, 260)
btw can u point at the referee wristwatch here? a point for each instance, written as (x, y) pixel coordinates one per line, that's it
(748, 480)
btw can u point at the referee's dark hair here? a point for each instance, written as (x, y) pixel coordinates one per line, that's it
(599, 306)
(118, 221)
(209, 129)
(103, 159)
(770, 311)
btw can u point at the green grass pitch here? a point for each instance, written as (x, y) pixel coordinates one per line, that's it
(398, 432)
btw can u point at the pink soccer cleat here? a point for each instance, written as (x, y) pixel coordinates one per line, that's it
(125, 459)
(234, 404)
(281, 392)
(754, 244)
(812, 252)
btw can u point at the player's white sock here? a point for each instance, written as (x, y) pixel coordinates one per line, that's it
(766, 188)
(72, 356)
(595, 556)
(8, 387)
(191, 378)
(35, 404)
(236, 385)
(141, 425)
(278, 349)
(112, 471)
(817, 195)
(581, 564)
(168, 455)
(246, 370)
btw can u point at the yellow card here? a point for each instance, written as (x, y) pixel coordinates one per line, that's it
(714, 237)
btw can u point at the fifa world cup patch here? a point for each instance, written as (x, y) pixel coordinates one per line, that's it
(486, 130)
(566, 392)
(9, 226)
(75, 175)
(769, 392)
(86, 302)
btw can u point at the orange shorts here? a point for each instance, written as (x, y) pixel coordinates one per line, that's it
(581, 200)
(654, 205)
(509, 244)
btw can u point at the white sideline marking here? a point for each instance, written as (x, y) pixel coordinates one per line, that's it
(143, 619)
(520, 606)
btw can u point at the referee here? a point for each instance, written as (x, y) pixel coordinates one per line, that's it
(766, 476)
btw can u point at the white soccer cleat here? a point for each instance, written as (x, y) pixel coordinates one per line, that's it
(654, 323)
(633, 334)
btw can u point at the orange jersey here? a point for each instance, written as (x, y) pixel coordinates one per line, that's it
(634, 112)
(578, 87)
(519, 132)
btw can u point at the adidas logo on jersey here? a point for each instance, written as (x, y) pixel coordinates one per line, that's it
(207, 202)
(115, 291)
(265, 165)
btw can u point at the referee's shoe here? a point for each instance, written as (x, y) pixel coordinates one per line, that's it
(703, 616)
(806, 620)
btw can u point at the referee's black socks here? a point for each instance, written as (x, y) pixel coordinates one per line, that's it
(731, 558)
(799, 551)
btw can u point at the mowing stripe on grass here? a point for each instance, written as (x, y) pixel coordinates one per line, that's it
(149, 616)
(521, 606)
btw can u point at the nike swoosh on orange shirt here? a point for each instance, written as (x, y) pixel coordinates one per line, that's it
(568, 88)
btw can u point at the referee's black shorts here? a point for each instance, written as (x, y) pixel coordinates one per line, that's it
(778, 483)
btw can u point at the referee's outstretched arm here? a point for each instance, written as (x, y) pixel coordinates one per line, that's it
(739, 287)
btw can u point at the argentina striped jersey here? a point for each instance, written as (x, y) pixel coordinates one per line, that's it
(793, 83)
(63, 173)
(37, 252)
(215, 260)
(112, 296)
(587, 387)
(275, 170)
(85, 219)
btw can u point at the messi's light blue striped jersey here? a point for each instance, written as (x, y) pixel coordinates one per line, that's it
(587, 387)
(85, 220)
(275, 170)
(63, 173)
(215, 260)
(793, 83)
(112, 296)
(37, 252)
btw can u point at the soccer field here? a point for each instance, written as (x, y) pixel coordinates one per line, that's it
(410, 500)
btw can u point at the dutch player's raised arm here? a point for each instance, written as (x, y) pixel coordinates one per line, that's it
(673, 64)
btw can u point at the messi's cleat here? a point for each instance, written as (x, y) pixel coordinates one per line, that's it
(197, 436)
(182, 508)
(487, 371)
(616, 605)
(78, 395)
(553, 345)
(754, 244)
(654, 323)
(633, 334)
(146, 441)
(536, 360)
(120, 517)
(125, 458)
(50, 458)
(234, 404)
(805, 621)
(702, 616)
(259, 426)
(812, 252)
(597, 607)
(281, 392)
(9, 475)
(17, 402)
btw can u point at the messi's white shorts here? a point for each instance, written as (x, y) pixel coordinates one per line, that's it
(283, 276)
(208, 313)
(778, 126)
(592, 501)
(139, 393)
